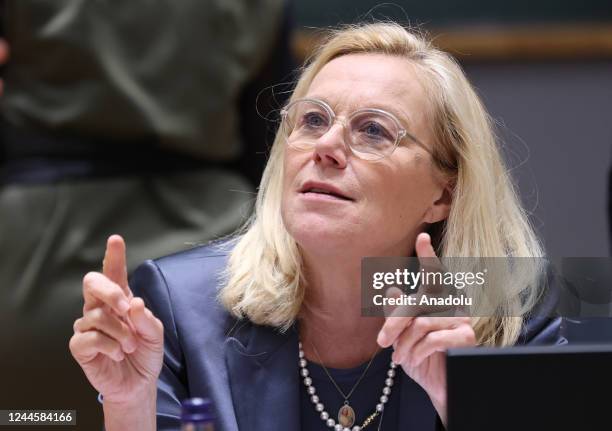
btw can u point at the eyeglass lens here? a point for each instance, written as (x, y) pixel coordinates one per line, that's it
(371, 134)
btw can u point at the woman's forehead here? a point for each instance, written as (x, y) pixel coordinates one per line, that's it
(379, 81)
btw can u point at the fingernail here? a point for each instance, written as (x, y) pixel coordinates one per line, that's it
(130, 346)
(381, 339)
(123, 306)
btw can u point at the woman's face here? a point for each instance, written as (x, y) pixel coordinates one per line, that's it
(390, 200)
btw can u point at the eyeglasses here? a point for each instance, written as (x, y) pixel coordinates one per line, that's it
(371, 134)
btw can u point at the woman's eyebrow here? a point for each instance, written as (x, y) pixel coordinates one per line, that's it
(403, 116)
(318, 97)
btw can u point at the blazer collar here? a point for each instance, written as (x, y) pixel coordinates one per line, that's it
(264, 381)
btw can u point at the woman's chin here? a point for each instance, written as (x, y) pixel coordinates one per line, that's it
(321, 238)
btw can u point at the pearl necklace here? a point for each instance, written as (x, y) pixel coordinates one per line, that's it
(346, 414)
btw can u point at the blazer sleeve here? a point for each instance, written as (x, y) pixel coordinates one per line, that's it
(542, 331)
(544, 325)
(148, 282)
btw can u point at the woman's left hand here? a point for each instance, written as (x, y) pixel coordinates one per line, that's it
(420, 342)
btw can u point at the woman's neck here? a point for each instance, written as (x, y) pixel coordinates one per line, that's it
(339, 347)
(332, 330)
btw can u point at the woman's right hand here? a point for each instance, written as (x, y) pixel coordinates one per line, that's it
(118, 342)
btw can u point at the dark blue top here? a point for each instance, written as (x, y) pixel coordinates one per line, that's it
(363, 400)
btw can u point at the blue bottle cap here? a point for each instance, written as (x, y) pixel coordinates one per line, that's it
(197, 410)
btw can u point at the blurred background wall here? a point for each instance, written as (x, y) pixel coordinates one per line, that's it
(555, 123)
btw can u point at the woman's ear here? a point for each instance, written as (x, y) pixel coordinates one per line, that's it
(440, 208)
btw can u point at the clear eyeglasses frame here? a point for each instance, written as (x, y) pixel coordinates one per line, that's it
(370, 133)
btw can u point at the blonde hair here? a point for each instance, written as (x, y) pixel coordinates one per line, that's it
(264, 278)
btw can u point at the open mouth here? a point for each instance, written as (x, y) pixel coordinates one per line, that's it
(325, 192)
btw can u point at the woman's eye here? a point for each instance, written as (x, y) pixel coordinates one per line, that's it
(374, 130)
(314, 119)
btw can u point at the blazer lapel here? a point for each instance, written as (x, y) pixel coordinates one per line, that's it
(264, 378)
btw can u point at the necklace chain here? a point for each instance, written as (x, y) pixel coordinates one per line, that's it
(346, 397)
(320, 408)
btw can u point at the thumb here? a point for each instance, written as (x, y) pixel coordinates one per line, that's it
(145, 323)
(392, 328)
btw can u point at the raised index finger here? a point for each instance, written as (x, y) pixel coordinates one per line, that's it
(115, 263)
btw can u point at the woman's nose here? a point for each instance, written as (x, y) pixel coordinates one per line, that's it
(331, 148)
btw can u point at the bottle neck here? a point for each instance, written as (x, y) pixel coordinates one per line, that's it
(195, 426)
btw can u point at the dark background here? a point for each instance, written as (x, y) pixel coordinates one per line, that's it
(445, 12)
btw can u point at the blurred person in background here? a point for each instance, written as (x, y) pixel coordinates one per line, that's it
(133, 117)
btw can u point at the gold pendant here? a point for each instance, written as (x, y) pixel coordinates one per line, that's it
(346, 416)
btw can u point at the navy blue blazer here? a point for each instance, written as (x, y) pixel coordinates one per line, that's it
(249, 371)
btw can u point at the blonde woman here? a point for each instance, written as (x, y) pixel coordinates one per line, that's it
(383, 150)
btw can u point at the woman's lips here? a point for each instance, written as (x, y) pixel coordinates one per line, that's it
(324, 189)
(323, 197)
